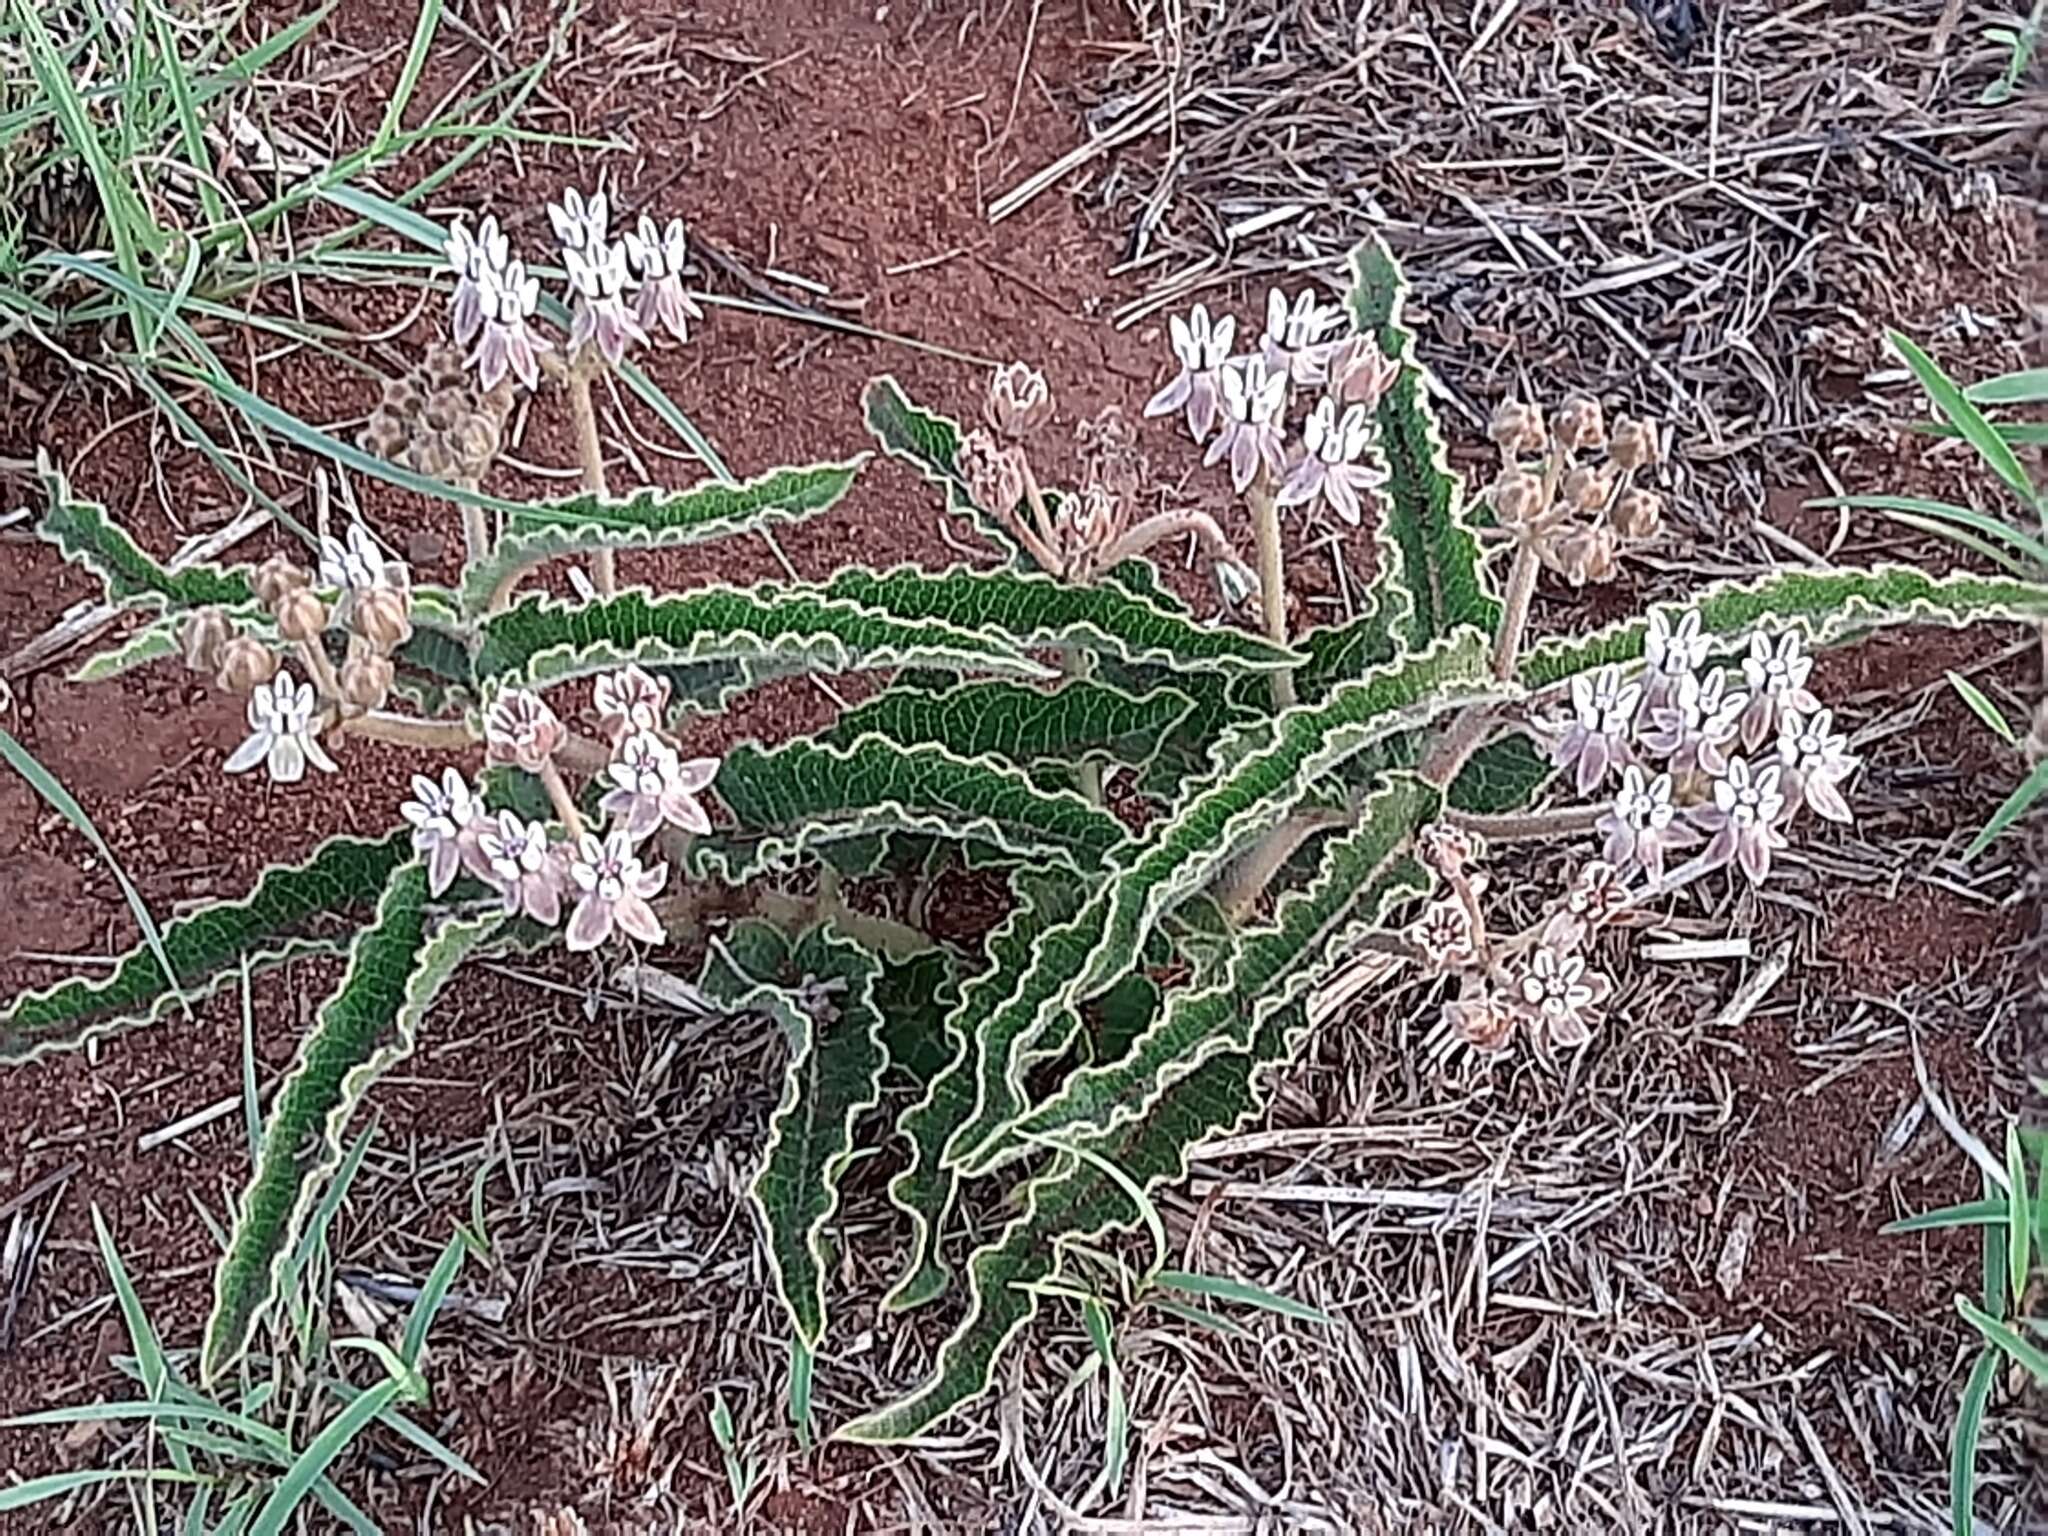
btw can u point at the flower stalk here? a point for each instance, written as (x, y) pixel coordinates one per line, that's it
(1265, 508)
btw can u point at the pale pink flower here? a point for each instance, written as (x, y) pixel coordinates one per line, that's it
(1816, 760)
(520, 728)
(1293, 344)
(1253, 400)
(508, 344)
(630, 700)
(283, 732)
(659, 256)
(1696, 723)
(523, 867)
(1449, 849)
(1643, 823)
(1482, 1021)
(440, 814)
(1777, 684)
(1743, 819)
(1671, 651)
(615, 891)
(1335, 468)
(1597, 736)
(1597, 893)
(471, 258)
(1559, 993)
(1444, 937)
(579, 222)
(653, 785)
(597, 284)
(1201, 347)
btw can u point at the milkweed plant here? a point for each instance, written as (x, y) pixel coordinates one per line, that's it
(1239, 804)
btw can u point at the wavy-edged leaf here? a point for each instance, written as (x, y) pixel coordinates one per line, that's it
(1826, 605)
(1030, 609)
(823, 994)
(1079, 1200)
(1022, 724)
(87, 536)
(925, 1188)
(1339, 651)
(396, 967)
(542, 640)
(1362, 873)
(794, 798)
(1252, 790)
(1422, 506)
(653, 517)
(916, 997)
(931, 444)
(281, 918)
(1502, 776)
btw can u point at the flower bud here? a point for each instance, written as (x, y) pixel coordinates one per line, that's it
(383, 616)
(384, 435)
(1361, 374)
(201, 639)
(1634, 443)
(1585, 488)
(1517, 498)
(1579, 424)
(1019, 400)
(1518, 428)
(366, 681)
(301, 615)
(1481, 1021)
(1236, 583)
(444, 408)
(443, 368)
(402, 397)
(1586, 554)
(275, 577)
(994, 475)
(432, 456)
(476, 440)
(1638, 515)
(246, 664)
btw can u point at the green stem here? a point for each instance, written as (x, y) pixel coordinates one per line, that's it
(1272, 580)
(1075, 665)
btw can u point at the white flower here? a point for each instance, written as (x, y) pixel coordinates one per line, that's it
(615, 892)
(520, 728)
(629, 700)
(1597, 739)
(523, 866)
(1672, 651)
(354, 563)
(1777, 684)
(1642, 823)
(658, 258)
(282, 716)
(653, 785)
(440, 814)
(1293, 343)
(597, 281)
(1201, 347)
(1697, 721)
(1816, 760)
(1558, 992)
(472, 258)
(508, 344)
(1253, 400)
(1443, 935)
(1744, 816)
(1331, 469)
(579, 222)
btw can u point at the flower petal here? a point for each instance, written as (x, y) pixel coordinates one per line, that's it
(590, 925)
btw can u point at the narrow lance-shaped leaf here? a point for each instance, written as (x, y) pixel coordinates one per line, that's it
(1254, 791)
(824, 997)
(88, 537)
(653, 517)
(1362, 873)
(930, 443)
(1029, 609)
(795, 798)
(1023, 724)
(1077, 1200)
(396, 968)
(1441, 570)
(924, 1190)
(542, 640)
(1827, 605)
(294, 910)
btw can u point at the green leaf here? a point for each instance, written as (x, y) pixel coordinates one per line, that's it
(1340, 651)
(1502, 776)
(925, 1188)
(1022, 724)
(1962, 1463)
(305, 1474)
(2027, 387)
(2016, 805)
(652, 518)
(1254, 788)
(1982, 707)
(930, 443)
(1226, 1289)
(1440, 568)
(792, 799)
(1029, 609)
(542, 640)
(835, 1074)
(1972, 1213)
(1923, 512)
(1077, 1200)
(915, 997)
(88, 537)
(206, 948)
(397, 966)
(1827, 605)
(2023, 1350)
(2019, 1230)
(1964, 416)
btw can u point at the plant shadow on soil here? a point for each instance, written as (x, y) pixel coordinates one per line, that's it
(610, 1151)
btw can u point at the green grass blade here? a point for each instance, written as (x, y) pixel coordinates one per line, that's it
(1962, 1463)
(2019, 1230)
(2029, 386)
(38, 1489)
(428, 1303)
(45, 784)
(1973, 1213)
(1226, 1289)
(423, 32)
(1982, 707)
(1946, 512)
(299, 1479)
(2008, 1338)
(1965, 417)
(2016, 805)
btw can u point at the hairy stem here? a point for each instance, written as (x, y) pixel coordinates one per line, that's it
(1448, 755)
(1514, 619)
(1075, 665)
(590, 454)
(899, 941)
(1238, 889)
(1165, 525)
(563, 802)
(1566, 821)
(410, 731)
(1272, 580)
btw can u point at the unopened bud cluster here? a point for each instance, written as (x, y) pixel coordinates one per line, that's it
(1568, 487)
(438, 421)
